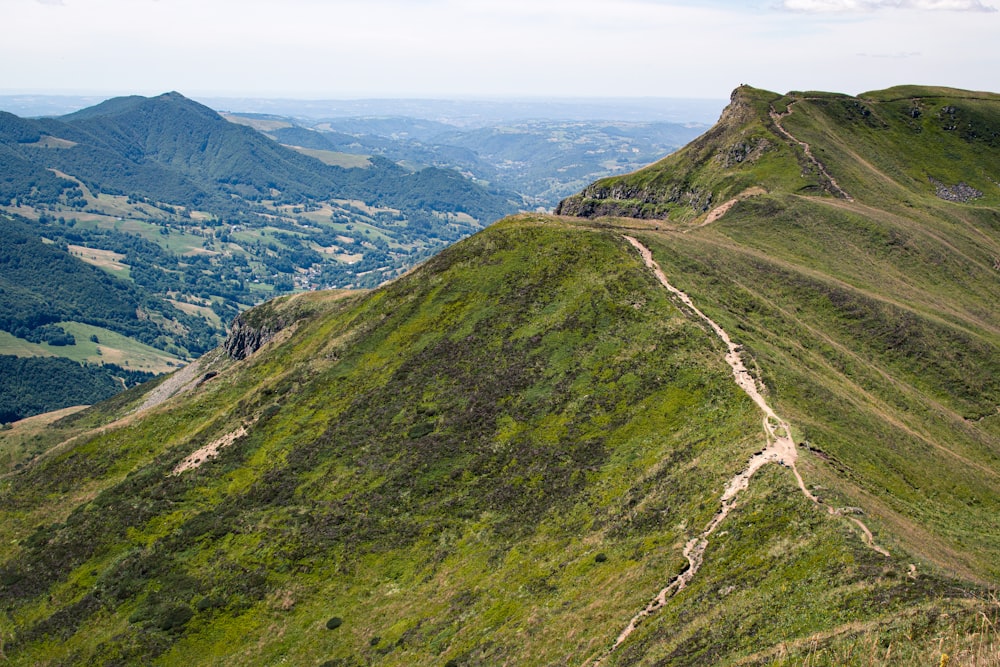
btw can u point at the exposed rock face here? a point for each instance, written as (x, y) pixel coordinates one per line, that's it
(963, 192)
(630, 202)
(245, 338)
(743, 151)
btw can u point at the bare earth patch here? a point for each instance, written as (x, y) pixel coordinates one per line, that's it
(722, 209)
(209, 451)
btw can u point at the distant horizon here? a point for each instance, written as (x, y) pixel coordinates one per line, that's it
(467, 109)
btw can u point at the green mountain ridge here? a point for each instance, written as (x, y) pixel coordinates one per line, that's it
(508, 454)
(749, 148)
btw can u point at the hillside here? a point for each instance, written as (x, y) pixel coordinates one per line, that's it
(168, 164)
(188, 219)
(891, 143)
(761, 433)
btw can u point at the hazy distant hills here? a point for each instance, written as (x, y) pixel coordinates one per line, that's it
(742, 408)
(543, 160)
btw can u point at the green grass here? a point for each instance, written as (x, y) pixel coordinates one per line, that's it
(175, 241)
(499, 458)
(439, 464)
(111, 348)
(345, 160)
(852, 360)
(565, 432)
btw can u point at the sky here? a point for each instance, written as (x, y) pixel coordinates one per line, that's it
(468, 49)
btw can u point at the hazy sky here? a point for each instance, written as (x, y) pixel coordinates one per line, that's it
(494, 48)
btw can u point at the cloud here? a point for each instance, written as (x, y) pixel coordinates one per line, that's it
(872, 5)
(901, 54)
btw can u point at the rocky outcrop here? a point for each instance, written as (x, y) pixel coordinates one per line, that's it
(663, 190)
(247, 336)
(743, 151)
(622, 200)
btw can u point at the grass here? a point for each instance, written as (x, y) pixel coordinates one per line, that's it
(537, 354)
(337, 159)
(498, 458)
(111, 348)
(28, 438)
(322, 449)
(104, 259)
(848, 379)
(176, 241)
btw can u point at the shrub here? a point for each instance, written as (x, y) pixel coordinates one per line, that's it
(420, 430)
(600, 558)
(334, 623)
(174, 617)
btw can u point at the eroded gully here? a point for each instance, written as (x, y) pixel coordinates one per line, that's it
(780, 449)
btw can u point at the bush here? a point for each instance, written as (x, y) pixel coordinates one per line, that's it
(209, 602)
(174, 617)
(600, 558)
(420, 430)
(334, 623)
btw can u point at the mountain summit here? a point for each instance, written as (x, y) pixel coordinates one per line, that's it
(883, 144)
(756, 421)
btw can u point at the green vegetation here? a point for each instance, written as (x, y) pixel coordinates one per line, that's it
(196, 218)
(31, 386)
(109, 347)
(500, 457)
(203, 190)
(891, 144)
(42, 284)
(52, 304)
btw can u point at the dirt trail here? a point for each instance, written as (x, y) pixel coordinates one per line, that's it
(723, 208)
(780, 449)
(776, 117)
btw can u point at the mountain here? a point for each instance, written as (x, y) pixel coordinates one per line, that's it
(188, 219)
(889, 143)
(761, 431)
(176, 165)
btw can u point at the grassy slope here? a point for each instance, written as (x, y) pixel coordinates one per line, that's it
(111, 347)
(396, 466)
(440, 463)
(877, 322)
(743, 150)
(874, 322)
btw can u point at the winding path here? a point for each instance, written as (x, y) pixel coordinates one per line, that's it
(776, 117)
(780, 449)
